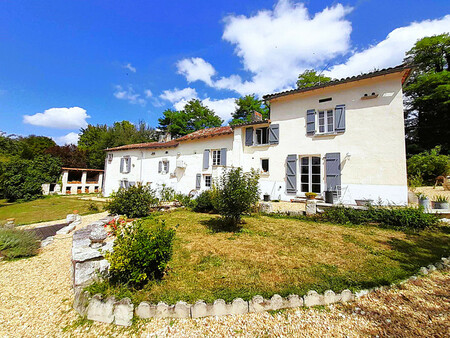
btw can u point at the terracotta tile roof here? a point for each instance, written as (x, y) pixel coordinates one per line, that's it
(208, 132)
(203, 133)
(251, 123)
(401, 68)
(149, 145)
(81, 169)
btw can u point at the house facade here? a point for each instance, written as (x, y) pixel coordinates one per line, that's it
(345, 136)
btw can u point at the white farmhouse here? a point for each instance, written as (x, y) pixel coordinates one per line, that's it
(345, 136)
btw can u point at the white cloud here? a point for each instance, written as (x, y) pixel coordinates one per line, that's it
(276, 45)
(224, 108)
(195, 69)
(70, 138)
(148, 93)
(62, 118)
(129, 94)
(176, 94)
(130, 67)
(391, 51)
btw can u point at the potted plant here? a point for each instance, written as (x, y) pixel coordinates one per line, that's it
(424, 201)
(310, 195)
(441, 202)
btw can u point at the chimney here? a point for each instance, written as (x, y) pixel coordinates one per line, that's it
(164, 137)
(256, 116)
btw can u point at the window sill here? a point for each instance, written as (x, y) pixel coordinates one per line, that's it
(264, 174)
(325, 134)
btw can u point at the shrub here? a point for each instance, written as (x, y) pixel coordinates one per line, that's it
(166, 193)
(402, 217)
(185, 200)
(236, 193)
(141, 252)
(204, 202)
(428, 166)
(135, 201)
(16, 243)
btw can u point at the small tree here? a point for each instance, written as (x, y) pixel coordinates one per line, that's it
(235, 193)
(132, 202)
(428, 165)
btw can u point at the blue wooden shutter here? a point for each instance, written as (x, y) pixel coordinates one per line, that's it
(291, 174)
(340, 118)
(333, 170)
(310, 122)
(159, 166)
(198, 180)
(206, 159)
(249, 136)
(128, 162)
(274, 133)
(167, 169)
(223, 156)
(121, 164)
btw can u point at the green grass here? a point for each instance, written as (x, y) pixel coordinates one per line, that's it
(271, 255)
(15, 243)
(46, 209)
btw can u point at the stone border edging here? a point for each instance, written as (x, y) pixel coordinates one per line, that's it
(121, 312)
(73, 220)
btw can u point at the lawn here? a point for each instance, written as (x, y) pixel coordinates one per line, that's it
(282, 255)
(47, 209)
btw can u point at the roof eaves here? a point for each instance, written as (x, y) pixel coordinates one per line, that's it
(250, 123)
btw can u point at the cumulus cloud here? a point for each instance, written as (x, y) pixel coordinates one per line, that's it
(176, 94)
(224, 108)
(391, 51)
(70, 138)
(130, 67)
(148, 93)
(195, 69)
(129, 95)
(61, 118)
(276, 45)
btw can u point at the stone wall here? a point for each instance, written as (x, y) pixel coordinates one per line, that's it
(121, 312)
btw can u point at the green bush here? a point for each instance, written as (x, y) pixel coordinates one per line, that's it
(141, 252)
(185, 200)
(236, 193)
(135, 201)
(396, 217)
(167, 194)
(428, 166)
(15, 243)
(203, 202)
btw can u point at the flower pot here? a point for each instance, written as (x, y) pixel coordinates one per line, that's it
(425, 203)
(311, 197)
(441, 205)
(363, 203)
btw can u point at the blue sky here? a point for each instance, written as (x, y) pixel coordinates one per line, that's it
(64, 64)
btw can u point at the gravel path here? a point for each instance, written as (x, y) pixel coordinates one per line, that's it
(36, 301)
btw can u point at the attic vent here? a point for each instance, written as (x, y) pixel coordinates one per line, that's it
(325, 100)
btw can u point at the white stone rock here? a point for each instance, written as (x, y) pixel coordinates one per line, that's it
(82, 254)
(439, 266)
(265, 207)
(219, 308)
(294, 301)
(87, 272)
(312, 298)
(347, 296)
(330, 297)
(123, 312)
(423, 270)
(71, 218)
(47, 241)
(257, 304)
(238, 306)
(361, 293)
(101, 311)
(162, 310)
(311, 207)
(81, 301)
(431, 267)
(199, 309)
(276, 302)
(181, 310)
(145, 310)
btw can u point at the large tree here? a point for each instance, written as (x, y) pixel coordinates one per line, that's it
(310, 78)
(245, 106)
(95, 139)
(428, 95)
(70, 155)
(193, 117)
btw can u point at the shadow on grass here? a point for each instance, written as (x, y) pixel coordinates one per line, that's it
(220, 224)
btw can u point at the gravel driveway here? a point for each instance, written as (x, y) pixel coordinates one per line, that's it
(36, 299)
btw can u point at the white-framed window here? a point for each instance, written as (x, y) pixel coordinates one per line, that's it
(310, 174)
(262, 135)
(216, 157)
(166, 166)
(265, 165)
(326, 121)
(110, 157)
(208, 181)
(125, 165)
(163, 167)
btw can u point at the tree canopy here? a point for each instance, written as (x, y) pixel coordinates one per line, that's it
(193, 117)
(310, 78)
(245, 106)
(428, 95)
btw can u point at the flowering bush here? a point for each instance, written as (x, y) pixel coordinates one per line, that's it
(115, 225)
